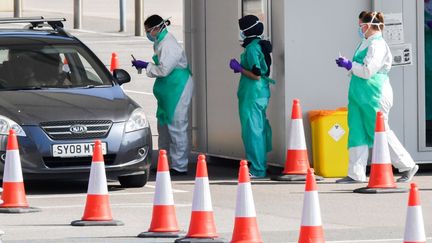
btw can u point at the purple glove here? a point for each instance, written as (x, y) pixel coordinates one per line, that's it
(343, 62)
(138, 64)
(235, 66)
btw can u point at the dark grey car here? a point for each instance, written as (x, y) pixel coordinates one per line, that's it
(60, 98)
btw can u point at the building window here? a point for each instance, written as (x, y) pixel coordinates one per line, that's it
(259, 9)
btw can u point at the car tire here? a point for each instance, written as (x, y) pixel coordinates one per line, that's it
(134, 180)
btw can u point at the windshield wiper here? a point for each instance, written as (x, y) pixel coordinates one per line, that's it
(22, 88)
(89, 86)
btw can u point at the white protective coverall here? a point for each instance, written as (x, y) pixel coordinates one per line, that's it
(378, 59)
(174, 137)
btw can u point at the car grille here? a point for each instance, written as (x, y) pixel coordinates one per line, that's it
(57, 162)
(60, 130)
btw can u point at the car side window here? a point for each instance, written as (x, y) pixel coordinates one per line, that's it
(3, 55)
(90, 74)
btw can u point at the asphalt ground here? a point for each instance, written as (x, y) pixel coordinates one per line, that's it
(346, 216)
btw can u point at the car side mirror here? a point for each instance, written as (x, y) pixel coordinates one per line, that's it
(121, 76)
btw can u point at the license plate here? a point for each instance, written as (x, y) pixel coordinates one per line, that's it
(75, 149)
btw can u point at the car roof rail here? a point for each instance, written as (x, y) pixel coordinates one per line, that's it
(38, 22)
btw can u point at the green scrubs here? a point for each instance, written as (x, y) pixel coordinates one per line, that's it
(253, 96)
(363, 103)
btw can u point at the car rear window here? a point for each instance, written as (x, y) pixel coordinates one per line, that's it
(33, 67)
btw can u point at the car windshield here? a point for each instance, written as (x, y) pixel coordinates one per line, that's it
(37, 67)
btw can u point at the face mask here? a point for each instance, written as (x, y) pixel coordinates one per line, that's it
(241, 35)
(360, 32)
(150, 37)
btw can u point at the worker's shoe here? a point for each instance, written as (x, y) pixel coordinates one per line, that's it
(255, 177)
(408, 175)
(348, 180)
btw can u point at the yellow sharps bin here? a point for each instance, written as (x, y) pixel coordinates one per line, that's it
(329, 130)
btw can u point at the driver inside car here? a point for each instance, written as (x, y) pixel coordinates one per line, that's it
(50, 70)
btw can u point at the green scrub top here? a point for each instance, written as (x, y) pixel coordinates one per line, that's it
(169, 89)
(248, 88)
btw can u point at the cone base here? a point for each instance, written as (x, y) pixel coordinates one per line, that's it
(174, 234)
(20, 210)
(97, 223)
(380, 190)
(296, 177)
(200, 240)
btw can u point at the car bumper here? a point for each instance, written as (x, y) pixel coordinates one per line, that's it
(127, 154)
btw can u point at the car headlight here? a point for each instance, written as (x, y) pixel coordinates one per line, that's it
(6, 124)
(137, 121)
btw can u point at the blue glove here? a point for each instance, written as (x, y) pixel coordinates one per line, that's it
(138, 64)
(344, 62)
(235, 66)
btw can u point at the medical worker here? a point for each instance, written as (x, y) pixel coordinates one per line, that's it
(173, 90)
(370, 91)
(254, 93)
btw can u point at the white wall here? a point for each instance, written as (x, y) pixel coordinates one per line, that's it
(315, 32)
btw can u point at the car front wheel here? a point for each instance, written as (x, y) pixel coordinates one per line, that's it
(134, 180)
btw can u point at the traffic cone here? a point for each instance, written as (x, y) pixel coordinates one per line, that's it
(14, 196)
(66, 67)
(311, 227)
(97, 210)
(245, 225)
(202, 227)
(114, 62)
(414, 225)
(297, 162)
(381, 178)
(164, 220)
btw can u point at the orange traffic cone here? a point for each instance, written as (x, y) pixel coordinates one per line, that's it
(245, 225)
(66, 67)
(311, 227)
(97, 210)
(14, 196)
(114, 62)
(297, 162)
(202, 227)
(381, 178)
(414, 226)
(164, 220)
